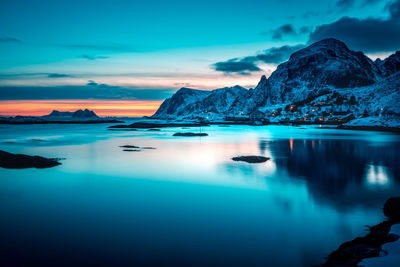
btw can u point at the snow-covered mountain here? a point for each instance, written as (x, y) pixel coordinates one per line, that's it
(318, 82)
(192, 103)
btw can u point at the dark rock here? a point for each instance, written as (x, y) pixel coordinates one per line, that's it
(251, 159)
(351, 253)
(147, 125)
(20, 161)
(148, 147)
(391, 208)
(190, 134)
(129, 146)
(154, 130)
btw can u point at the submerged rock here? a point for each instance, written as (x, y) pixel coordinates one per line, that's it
(251, 159)
(391, 208)
(148, 147)
(20, 161)
(190, 134)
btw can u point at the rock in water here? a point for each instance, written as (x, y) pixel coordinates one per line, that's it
(391, 208)
(20, 161)
(190, 134)
(251, 159)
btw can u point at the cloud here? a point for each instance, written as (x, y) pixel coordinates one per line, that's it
(286, 30)
(283, 30)
(368, 35)
(9, 40)
(236, 65)
(91, 91)
(345, 4)
(89, 57)
(58, 75)
(248, 64)
(92, 47)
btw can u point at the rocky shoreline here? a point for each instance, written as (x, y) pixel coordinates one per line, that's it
(351, 253)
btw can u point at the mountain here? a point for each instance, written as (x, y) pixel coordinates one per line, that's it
(68, 114)
(191, 103)
(84, 114)
(391, 64)
(323, 81)
(56, 113)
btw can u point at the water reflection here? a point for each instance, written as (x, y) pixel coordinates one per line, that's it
(345, 172)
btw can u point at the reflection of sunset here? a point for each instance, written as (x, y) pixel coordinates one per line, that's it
(101, 107)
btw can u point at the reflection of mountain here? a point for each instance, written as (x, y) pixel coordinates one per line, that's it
(340, 170)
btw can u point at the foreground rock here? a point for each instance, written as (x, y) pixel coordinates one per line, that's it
(190, 134)
(391, 208)
(353, 252)
(20, 161)
(148, 125)
(251, 159)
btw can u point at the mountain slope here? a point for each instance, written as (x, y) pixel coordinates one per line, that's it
(190, 103)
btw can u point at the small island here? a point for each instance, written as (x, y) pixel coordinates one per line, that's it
(251, 159)
(21, 161)
(190, 134)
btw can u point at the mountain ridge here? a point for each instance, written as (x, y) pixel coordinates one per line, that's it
(327, 67)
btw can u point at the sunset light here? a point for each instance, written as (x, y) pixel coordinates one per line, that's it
(128, 108)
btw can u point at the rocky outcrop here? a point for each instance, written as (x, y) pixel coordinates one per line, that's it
(251, 159)
(20, 161)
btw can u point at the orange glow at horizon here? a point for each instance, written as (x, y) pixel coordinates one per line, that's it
(129, 108)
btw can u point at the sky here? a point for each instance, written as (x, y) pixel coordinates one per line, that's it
(96, 53)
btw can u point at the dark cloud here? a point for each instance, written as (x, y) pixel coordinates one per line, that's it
(345, 4)
(30, 75)
(89, 57)
(58, 75)
(304, 30)
(9, 40)
(235, 65)
(368, 35)
(283, 30)
(278, 54)
(91, 47)
(248, 64)
(94, 91)
(286, 30)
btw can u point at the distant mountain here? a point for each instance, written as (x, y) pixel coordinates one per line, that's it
(68, 114)
(84, 114)
(56, 113)
(318, 82)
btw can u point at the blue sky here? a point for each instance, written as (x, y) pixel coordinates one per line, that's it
(163, 45)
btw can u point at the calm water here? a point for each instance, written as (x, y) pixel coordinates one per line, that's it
(187, 203)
